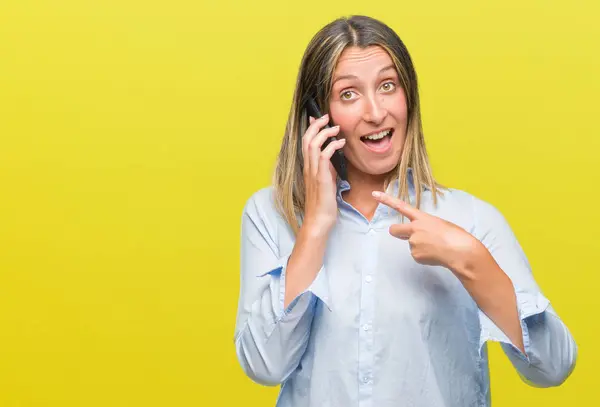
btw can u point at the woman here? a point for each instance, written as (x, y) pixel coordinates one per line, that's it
(382, 289)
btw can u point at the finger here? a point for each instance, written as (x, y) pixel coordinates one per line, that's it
(327, 153)
(401, 206)
(326, 169)
(312, 130)
(401, 230)
(315, 146)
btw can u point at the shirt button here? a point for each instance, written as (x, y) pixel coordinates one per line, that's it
(371, 232)
(366, 379)
(366, 327)
(368, 279)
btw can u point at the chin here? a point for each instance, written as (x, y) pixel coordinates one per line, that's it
(382, 167)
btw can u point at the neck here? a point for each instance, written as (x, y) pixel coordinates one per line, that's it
(360, 195)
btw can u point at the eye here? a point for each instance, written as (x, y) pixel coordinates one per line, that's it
(388, 86)
(346, 95)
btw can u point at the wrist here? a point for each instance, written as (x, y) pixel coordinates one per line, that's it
(312, 229)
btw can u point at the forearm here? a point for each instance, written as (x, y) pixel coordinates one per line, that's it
(492, 290)
(273, 341)
(270, 338)
(274, 335)
(512, 309)
(552, 351)
(304, 262)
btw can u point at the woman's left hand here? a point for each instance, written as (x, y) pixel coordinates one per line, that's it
(433, 241)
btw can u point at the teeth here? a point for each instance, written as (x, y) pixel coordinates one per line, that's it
(378, 135)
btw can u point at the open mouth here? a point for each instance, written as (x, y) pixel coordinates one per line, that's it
(378, 142)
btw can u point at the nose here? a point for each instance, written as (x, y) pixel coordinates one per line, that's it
(375, 111)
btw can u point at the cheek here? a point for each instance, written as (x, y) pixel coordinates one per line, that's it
(346, 120)
(398, 107)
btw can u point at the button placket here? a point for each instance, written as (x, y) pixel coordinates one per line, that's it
(366, 355)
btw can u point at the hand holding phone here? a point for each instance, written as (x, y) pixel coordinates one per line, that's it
(337, 159)
(317, 147)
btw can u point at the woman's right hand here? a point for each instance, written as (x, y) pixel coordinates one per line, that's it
(320, 212)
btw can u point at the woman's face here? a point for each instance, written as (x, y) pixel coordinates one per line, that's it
(369, 105)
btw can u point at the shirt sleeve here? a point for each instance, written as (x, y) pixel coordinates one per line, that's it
(270, 339)
(550, 350)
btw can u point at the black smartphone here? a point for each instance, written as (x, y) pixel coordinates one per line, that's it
(337, 159)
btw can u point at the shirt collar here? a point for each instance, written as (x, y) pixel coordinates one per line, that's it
(392, 189)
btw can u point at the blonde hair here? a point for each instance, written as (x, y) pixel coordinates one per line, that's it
(315, 79)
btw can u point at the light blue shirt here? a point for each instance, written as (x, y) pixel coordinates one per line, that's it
(378, 329)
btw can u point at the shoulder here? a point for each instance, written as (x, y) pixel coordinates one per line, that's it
(461, 200)
(261, 207)
(261, 203)
(262, 218)
(471, 211)
(487, 222)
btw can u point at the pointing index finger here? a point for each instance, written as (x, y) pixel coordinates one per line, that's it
(407, 210)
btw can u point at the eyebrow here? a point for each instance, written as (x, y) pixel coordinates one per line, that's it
(354, 77)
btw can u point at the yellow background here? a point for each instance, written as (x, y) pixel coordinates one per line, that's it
(132, 133)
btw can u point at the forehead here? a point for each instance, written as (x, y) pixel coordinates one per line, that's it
(356, 61)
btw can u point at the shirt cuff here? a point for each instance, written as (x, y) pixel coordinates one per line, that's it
(529, 305)
(318, 288)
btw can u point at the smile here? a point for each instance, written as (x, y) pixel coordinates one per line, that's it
(379, 142)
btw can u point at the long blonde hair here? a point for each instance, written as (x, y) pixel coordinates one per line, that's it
(315, 79)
